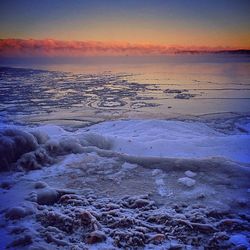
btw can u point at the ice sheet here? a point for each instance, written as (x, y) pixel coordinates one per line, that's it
(173, 139)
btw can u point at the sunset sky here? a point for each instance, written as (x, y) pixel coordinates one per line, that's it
(79, 27)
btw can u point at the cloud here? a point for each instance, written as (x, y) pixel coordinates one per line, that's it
(56, 48)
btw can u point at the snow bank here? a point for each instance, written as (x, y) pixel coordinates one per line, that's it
(136, 141)
(173, 139)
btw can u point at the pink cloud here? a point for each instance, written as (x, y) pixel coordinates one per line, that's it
(52, 48)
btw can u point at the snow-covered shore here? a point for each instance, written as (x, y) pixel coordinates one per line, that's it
(152, 184)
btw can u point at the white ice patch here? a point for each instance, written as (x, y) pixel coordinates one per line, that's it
(189, 182)
(159, 182)
(190, 174)
(52, 131)
(173, 139)
(127, 166)
(56, 169)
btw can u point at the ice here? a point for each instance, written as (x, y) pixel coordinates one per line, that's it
(187, 181)
(51, 130)
(245, 126)
(173, 139)
(190, 174)
(239, 240)
(159, 181)
(14, 143)
(127, 166)
(128, 183)
(157, 138)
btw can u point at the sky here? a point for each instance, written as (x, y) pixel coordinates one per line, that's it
(115, 27)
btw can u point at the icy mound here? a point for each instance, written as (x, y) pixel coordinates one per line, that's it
(25, 149)
(13, 144)
(173, 139)
(134, 141)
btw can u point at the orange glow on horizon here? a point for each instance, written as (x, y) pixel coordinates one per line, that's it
(51, 48)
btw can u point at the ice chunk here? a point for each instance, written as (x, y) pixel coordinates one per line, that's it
(156, 172)
(190, 174)
(14, 143)
(187, 181)
(128, 166)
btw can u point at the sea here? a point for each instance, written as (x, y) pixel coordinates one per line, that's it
(90, 90)
(125, 153)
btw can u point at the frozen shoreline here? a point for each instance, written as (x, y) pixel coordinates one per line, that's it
(151, 157)
(86, 168)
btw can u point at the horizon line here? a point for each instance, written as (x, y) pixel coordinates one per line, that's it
(14, 47)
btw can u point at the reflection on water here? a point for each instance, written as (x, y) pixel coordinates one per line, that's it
(95, 92)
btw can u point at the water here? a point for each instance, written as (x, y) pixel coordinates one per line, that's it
(83, 93)
(131, 168)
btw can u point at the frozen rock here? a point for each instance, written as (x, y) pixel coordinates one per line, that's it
(47, 196)
(95, 237)
(58, 242)
(173, 91)
(132, 222)
(16, 229)
(86, 217)
(61, 221)
(176, 247)
(89, 220)
(184, 96)
(157, 239)
(40, 184)
(140, 203)
(15, 213)
(242, 202)
(6, 185)
(20, 242)
(190, 174)
(201, 195)
(186, 181)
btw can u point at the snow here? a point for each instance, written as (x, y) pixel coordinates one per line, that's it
(190, 174)
(130, 158)
(127, 166)
(159, 182)
(159, 138)
(173, 139)
(52, 130)
(187, 181)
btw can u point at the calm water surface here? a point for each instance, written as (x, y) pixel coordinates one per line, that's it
(83, 93)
